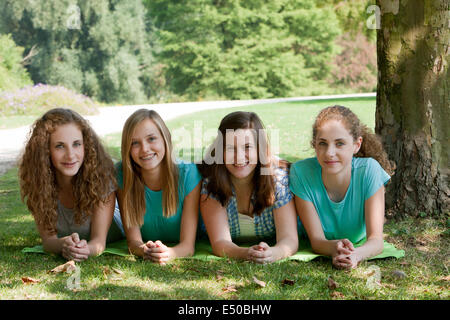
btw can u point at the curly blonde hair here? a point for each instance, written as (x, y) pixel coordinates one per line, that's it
(92, 184)
(371, 143)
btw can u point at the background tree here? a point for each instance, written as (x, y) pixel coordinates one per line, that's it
(12, 72)
(99, 48)
(242, 49)
(413, 109)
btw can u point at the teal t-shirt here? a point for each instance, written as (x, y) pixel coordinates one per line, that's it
(344, 219)
(156, 226)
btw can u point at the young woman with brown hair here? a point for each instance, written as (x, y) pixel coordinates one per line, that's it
(339, 194)
(245, 194)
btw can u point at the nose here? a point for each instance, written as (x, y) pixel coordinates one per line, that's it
(69, 153)
(331, 151)
(240, 156)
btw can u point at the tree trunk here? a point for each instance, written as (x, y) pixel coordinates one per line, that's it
(413, 103)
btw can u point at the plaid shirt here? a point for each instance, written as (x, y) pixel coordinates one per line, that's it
(264, 222)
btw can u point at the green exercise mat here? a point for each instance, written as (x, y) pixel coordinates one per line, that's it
(203, 251)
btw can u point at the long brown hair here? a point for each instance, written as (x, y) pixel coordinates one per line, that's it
(220, 184)
(371, 144)
(38, 185)
(133, 183)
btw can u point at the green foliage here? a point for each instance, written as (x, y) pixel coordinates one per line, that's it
(100, 48)
(242, 49)
(12, 73)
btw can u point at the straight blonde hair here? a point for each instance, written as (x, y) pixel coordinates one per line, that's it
(133, 184)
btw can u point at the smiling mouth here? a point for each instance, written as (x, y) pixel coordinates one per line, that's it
(241, 165)
(148, 157)
(69, 164)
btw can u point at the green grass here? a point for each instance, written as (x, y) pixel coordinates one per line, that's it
(425, 240)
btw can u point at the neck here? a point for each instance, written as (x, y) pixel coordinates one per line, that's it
(64, 182)
(337, 185)
(152, 178)
(243, 183)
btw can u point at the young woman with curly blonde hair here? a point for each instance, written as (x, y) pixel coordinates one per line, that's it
(68, 181)
(339, 194)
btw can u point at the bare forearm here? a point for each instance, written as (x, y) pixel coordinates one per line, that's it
(136, 248)
(324, 247)
(370, 248)
(183, 249)
(53, 245)
(228, 248)
(285, 248)
(96, 247)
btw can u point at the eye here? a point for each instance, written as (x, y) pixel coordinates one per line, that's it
(59, 146)
(134, 143)
(340, 144)
(77, 144)
(321, 143)
(150, 139)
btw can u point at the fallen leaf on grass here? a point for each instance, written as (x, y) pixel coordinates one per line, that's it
(230, 288)
(447, 278)
(28, 280)
(107, 271)
(332, 284)
(337, 294)
(287, 282)
(67, 267)
(260, 283)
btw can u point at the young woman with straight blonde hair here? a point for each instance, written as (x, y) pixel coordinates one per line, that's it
(67, 180)
(158, 196)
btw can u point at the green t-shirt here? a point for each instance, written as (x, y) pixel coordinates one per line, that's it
(156, 226)
(344, 219)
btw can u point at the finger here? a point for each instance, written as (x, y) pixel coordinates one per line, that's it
(75, 237)
(348, 244)
(150, 244)
(158, 243)
(81, 244)
(263, 246)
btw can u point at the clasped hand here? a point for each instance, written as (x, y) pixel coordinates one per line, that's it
(261, 253)
(345, 256)
(75, 249)
(156, 252)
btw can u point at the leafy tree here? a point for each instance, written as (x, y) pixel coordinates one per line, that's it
(99, 48)
(12, 73)
(242, 49)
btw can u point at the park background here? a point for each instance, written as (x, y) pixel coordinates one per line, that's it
(87, 55)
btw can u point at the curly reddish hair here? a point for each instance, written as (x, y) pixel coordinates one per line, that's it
(92, 184)
(371, 143)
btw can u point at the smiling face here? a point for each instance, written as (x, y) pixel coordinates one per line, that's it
(241, 152)
(335, 147)
(147, 145)
(67, 150)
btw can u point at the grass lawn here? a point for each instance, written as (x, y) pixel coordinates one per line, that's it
(424, 270)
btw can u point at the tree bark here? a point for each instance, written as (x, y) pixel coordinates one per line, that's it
(413, 103)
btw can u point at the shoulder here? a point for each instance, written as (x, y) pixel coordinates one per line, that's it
(187, 168)
(368, 165)
(306, 166)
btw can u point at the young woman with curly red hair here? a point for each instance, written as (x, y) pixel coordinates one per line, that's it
(68, 182)
(339, 194)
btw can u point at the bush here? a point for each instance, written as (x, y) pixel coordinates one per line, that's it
(35, 100)
(356, 66)
(12, 74)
